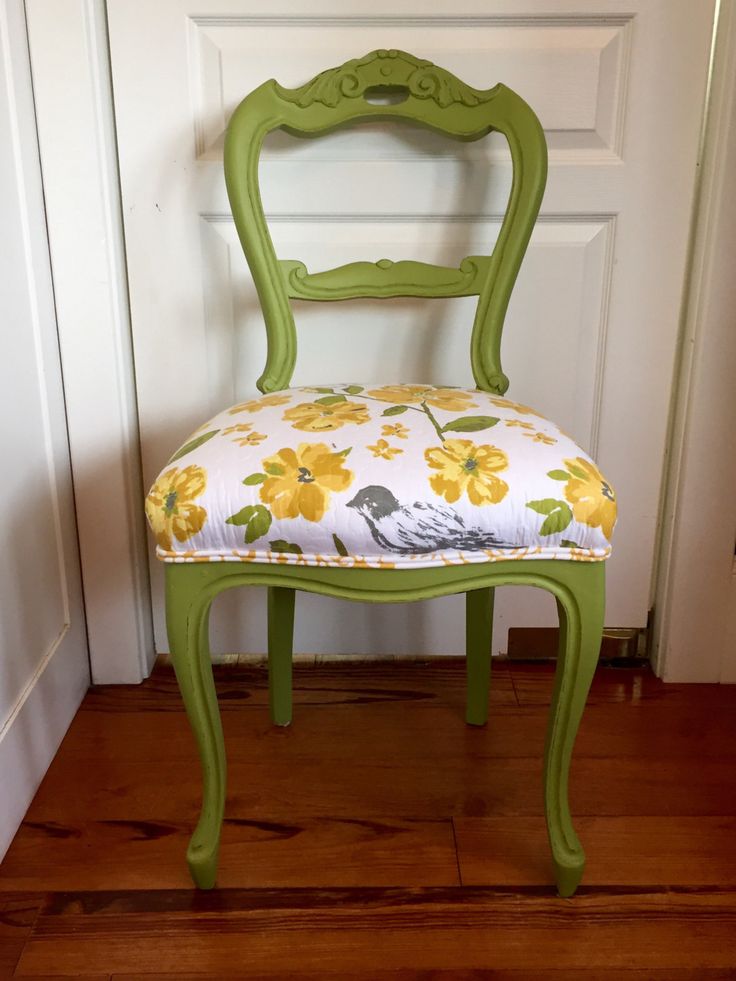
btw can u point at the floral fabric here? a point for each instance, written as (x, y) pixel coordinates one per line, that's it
(384, 476)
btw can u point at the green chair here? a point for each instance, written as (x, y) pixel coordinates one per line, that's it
(383, 492)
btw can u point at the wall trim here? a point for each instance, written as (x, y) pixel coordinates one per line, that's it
(76, 132)
(54, 694)
(695, 603)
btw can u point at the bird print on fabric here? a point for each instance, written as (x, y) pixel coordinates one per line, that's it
(418, 527)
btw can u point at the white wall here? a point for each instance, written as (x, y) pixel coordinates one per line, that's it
(43, 655)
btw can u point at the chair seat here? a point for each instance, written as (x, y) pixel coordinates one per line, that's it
(386, 476)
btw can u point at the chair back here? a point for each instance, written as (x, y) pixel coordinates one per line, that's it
(425, 95)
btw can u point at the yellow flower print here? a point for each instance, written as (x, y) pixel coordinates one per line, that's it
(463, 466)
(169, 506)
(314, 417)
(382, 449)
(264, 402)
(300, 481)
(541, 438)
(252, 439)
(519, 423)
(397, 430)
(592, 497)
(514, 406)
(450, 399)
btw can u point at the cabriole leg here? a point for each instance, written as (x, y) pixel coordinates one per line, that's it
(581, 629)
(478, 639)
(280, 647)
(187, 621)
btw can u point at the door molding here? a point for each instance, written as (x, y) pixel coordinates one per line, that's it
(76, 133)
(695, 592)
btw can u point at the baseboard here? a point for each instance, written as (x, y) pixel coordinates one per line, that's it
(541, 643)
(34, 729)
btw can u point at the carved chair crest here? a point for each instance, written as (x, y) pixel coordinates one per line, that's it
(434, 98)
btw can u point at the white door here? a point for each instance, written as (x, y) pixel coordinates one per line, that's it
(43, 651)
(592, 328)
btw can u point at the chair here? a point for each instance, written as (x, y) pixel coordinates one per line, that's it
(383, 492)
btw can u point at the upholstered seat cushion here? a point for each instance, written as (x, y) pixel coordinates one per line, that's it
(391, 476)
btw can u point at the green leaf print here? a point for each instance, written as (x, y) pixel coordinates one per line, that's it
(566, 543)
(255, 517)
(395, 410)
(331, 400)
(469, 424)
(281, 545)
(193, 444)
(258, 525)
(339, 546)
(255, 478)
(558, 474)
(353, 389)
(558, 515)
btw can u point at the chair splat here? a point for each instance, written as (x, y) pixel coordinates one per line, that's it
(385, 279)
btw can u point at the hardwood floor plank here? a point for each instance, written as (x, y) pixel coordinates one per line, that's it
(315, 852)
(420, 929)
(533, 686)
(621, 851)
(18, 912)
(437, 731)
(452, 974)
(403, 682)
(344, 834)
(270, 788)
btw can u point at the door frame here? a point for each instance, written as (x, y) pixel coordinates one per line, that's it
(76, 131)
(694, 631)
(76, 125)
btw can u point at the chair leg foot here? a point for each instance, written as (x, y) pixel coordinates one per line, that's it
(581, 628)
(568, 877)
(187, 616)
(202, 858)
(478, 643)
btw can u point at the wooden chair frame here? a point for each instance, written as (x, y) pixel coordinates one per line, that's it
(433, 98)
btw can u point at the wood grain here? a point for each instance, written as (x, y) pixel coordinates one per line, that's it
(379, 837)
(18, 912)
(325, 851)
(459, 928)
(670, 851)
(454, 974)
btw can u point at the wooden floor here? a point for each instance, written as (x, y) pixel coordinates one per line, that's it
(379, 837)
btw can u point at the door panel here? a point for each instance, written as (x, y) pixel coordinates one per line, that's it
(592, 327)
(44, 670)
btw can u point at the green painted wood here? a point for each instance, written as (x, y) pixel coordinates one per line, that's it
(427, 96)
(577, 586)
(187, 623)
(433, 98)
(581, 630)
(478, 642)
(384, 279)
(280, 649)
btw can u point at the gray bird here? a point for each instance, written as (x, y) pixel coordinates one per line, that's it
(418, 527)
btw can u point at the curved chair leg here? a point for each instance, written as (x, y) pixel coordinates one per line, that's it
(581, 628)
(187, 621)
(478, 638)
(280, 648)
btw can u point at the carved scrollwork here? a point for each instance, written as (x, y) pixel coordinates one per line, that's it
(387, 69)
(385, 278)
